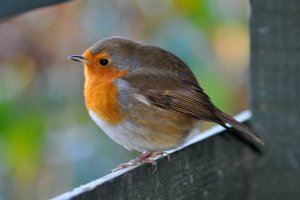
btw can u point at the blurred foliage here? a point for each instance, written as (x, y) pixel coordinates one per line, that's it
(48, 144)
(198, 12)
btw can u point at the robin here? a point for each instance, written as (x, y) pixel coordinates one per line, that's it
(146, 98)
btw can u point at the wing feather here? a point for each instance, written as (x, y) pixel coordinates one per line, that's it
(183, 96)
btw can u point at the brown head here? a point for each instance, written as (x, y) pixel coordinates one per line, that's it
(118, 54)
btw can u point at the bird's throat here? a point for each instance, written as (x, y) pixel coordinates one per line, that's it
(102, 97)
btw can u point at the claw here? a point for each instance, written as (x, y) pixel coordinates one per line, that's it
(155, 167)
(160, 154)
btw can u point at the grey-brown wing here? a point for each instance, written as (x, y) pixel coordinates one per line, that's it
(167, 82)
(190, 101)
(175, 94)
(178, 91)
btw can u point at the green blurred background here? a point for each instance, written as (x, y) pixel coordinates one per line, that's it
(48, 144)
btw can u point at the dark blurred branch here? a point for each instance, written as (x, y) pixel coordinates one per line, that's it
(14, 7)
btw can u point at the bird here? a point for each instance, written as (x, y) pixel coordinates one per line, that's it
(145, 98)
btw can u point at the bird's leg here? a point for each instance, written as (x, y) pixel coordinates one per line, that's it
(141, 159)
(146, 157)
(121, 166)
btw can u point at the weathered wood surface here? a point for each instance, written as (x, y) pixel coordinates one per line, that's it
(213, 168)
(13, 7)
(275, 98)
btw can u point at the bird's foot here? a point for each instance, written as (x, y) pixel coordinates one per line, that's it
(160, 154)
(146, 157)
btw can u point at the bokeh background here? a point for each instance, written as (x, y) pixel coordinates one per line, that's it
(48, 144)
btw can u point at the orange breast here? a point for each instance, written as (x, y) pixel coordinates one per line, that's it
(102, 95)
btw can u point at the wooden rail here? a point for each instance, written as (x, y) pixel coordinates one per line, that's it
(209, 166)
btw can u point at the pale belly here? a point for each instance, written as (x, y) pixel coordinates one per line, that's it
(135, 137)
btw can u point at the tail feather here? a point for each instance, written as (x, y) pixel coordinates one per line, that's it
(237, 126)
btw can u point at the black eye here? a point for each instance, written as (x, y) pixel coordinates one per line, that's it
(103, 61)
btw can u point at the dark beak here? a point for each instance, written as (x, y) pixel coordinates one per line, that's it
(78, 58)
